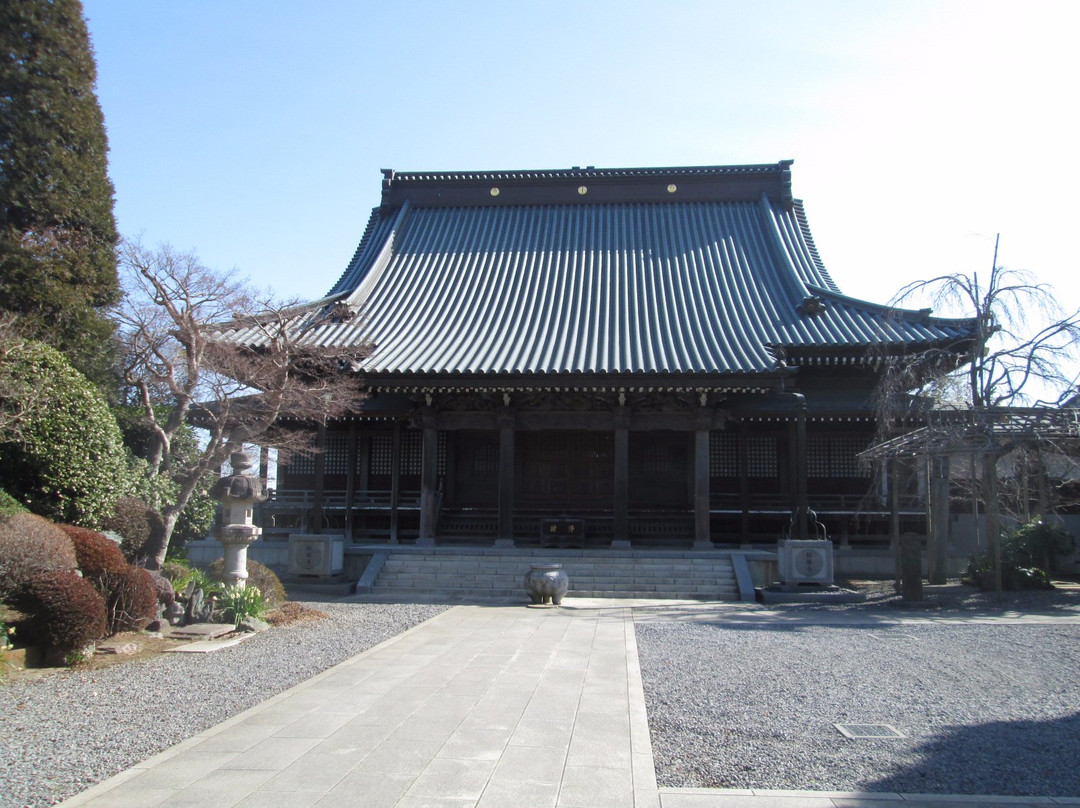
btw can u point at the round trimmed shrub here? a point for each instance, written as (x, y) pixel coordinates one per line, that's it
(70, 464)
(259, 575)
(96, 554)
(131, 598)
(64, 610)
(131, 519)
(30, 545)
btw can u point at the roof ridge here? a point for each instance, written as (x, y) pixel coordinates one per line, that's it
(587, 171)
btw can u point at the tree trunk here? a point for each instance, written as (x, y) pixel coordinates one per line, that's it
(157, 546)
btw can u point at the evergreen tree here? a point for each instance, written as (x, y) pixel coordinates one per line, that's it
(57, 231)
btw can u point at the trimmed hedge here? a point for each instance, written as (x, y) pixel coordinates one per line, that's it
(64, 610)
(30, 545)
(131, 598)
(70, 465)
(96, 554)
(130, 593)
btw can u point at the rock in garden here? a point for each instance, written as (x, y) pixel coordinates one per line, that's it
(253, 624)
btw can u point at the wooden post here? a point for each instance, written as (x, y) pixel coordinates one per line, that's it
(350, 481)
(320, 474)
(621, 528)
(939, 519)
(395, 481)
(429, 466)
(702, 532)
(264, 467)
(911, 567)
(893, 476)
(993, 516)
(744, 487)
(505, 535)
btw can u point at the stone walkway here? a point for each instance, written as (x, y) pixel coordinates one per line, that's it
(485, 706)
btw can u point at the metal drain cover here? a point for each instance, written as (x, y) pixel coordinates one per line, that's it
(869, 731)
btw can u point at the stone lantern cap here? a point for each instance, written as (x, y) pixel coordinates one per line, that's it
(238, 486)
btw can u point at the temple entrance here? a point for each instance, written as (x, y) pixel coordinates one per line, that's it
(566, 470)
(660, 470)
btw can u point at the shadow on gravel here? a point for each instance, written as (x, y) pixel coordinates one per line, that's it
(1031, 758)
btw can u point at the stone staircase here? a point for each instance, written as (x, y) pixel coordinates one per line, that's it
(461, 573)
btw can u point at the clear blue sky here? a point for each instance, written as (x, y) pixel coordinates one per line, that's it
(253, 131)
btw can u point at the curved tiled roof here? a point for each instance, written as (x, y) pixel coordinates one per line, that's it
(658, 286)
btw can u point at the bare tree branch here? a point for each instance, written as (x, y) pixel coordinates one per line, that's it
(177, 324)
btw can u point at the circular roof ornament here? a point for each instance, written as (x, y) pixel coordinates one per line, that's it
(582, 190)
(672, 188)
(495, 192)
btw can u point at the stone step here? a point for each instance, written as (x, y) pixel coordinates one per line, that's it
(500, 574)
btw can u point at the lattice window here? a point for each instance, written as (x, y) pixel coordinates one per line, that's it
(337, 454)
(301, 463)
(412, 452)
(382, 454)
(723, 454)
(761, 460)
(834, 456)
(817, 457)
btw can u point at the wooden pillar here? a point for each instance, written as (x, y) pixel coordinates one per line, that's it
(505, 535)
(429, 467)
(620, 536)
(395, 481)
(350, 481)
(802, 501)
(939, 519)
(993, 516)
(264, 467)
(893, 477)
(320, 475)
(744, 486)
(702, 531)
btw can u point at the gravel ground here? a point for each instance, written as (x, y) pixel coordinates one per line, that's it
(63, 733)
(986, 709)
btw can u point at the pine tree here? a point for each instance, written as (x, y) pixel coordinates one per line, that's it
(57, 231)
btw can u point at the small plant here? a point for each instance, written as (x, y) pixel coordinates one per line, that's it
(180, 573)
(241, 602)
(259, 575)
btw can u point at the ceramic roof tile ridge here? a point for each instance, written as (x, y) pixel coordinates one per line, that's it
(577, 171)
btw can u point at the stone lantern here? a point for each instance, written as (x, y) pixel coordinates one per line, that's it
(237, 494)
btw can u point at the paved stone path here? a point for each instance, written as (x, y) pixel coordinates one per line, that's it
(483, 706)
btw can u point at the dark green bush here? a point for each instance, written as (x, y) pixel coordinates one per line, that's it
(70, 464)
(9, 506)
(29, 545)
(64, 610)
(1039, 543)
(260, 575)
(980, 573)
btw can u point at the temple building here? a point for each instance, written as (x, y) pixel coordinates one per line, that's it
(645, 357)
